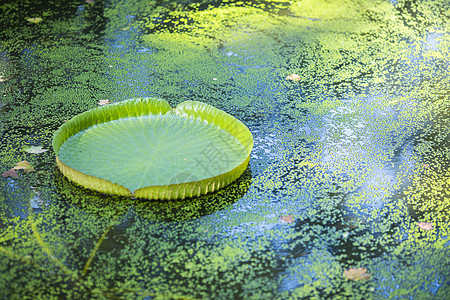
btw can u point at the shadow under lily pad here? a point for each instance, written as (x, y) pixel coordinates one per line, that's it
(170, 210)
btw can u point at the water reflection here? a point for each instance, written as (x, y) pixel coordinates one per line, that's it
(169, 211)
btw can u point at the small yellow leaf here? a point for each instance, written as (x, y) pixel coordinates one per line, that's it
(25, 166)
(34, 20)
(357, 274)
(425, 226)
(294, 77)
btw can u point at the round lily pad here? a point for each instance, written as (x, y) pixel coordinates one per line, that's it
(144, 148)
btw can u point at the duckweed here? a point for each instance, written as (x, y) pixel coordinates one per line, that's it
(356, 150)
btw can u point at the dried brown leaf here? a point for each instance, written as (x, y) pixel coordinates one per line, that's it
(10, 173)
(294, 77)
(425, 225)
(357, 274)
(287, 219)
(34, 149)
(103, 102)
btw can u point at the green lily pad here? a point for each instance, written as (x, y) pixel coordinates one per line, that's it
(143, 148)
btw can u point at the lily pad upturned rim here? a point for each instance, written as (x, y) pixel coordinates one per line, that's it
(139, 107)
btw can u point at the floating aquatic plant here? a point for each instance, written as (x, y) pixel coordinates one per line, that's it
(144, 148)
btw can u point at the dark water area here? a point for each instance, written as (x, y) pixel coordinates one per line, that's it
(346, 193)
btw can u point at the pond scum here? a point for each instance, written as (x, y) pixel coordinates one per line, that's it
(348, 103)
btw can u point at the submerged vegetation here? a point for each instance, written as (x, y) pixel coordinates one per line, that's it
(347, 191)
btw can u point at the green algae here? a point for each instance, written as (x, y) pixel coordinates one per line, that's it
(356, 151)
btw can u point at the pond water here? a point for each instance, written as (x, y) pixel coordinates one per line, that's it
(346, 193)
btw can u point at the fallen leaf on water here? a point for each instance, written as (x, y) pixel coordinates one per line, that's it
(425, 225)
(34, 20)
(25, 166)
(294, 77)
(10, 173)
(357, 274)
(34, 149)
(287, 219)
(103, 102)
